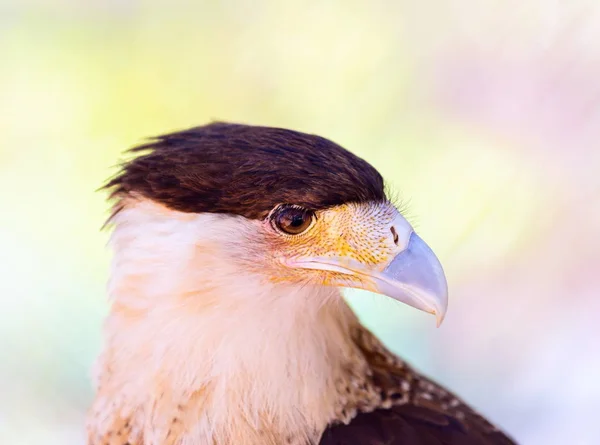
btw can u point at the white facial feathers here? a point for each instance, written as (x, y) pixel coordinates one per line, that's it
(190, 327)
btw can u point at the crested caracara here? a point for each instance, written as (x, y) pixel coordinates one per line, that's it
(227, 325)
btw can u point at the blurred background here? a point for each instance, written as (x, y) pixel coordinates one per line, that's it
(483, 115)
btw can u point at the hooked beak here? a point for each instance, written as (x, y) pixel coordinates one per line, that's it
(413, 276)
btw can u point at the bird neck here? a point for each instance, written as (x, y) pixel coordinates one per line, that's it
(215, 361)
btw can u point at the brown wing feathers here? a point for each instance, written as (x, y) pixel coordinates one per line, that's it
(410, 425)
(412, 410)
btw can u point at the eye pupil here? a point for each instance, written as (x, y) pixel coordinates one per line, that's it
(292, 220)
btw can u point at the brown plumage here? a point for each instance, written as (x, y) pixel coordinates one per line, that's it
(411, 410)
(247, 170)
(228, 328)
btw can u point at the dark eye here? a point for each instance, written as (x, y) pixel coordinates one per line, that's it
(292, 220)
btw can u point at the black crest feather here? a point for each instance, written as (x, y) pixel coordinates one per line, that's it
(246, 170)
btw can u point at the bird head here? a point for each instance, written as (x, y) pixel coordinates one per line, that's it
(288, 207)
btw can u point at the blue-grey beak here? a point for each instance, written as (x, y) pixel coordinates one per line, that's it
(415, 277)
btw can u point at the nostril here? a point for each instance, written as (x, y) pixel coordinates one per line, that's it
(395, 234)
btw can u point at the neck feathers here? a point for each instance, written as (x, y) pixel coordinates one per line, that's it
(197, 352)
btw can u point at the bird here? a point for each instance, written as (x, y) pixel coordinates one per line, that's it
(227, 324)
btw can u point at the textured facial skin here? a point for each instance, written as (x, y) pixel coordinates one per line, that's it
(348, 233)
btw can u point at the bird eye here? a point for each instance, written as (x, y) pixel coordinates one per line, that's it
(292, 220)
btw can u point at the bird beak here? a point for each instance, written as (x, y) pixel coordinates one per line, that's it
(413, 276)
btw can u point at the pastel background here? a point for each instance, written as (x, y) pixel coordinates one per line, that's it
(483, 115)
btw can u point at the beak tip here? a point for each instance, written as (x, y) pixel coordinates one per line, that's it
(439, 318)
(440, 311)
